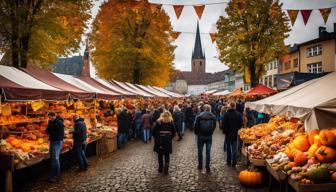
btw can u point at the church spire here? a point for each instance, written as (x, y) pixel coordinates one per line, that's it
(86, 60)
(198, 51)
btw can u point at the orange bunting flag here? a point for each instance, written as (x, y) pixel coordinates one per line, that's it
(175, 34)
(325, 14)
(306, 14)
(213, 37)
(178, 10)
(199, 10)
(292, 15)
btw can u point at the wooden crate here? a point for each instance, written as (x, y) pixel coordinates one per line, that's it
(318, 187)
(107, 145)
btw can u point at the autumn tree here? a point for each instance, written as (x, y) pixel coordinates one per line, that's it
(251, 35)
(35, 32)
(132, 42)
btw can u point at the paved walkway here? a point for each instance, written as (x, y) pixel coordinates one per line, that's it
(135, 169)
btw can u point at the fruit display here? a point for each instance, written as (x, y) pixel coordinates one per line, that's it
(309, 158)
(270, 145)
(261, 130)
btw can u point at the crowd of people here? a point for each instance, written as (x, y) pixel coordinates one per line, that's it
(162, 122)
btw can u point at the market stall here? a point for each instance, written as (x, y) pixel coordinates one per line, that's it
(298, 145)
(261, 90)
(168, 92)
(222, 93)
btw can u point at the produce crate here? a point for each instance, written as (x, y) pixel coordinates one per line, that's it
(280, 176)
(257, 162)
(107, 145)
(299, 187)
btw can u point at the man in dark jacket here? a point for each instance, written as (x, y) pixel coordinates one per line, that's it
(189, 117)
(205, 125)
(178, 117)
(122, 127)
(79, 141)
(232, 122)
(55, 130)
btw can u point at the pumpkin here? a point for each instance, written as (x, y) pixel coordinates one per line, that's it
(39, 141)
(325, 154)
(312, 150)
(317, 140)
(293, 153)
(300, 159)
(292, 164)
(333, 177)
(301, 142)
(328, 138)
(250, 178)
(312, 134)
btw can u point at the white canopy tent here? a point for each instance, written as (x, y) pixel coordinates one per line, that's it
(78, 83)
(313, 101)
(222, 93)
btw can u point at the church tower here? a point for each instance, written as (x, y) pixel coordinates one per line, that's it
(198, 56)
(86, 59)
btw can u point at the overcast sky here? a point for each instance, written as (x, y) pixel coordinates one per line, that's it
(188, 21)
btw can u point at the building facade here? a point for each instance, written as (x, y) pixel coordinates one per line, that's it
(269, 79)
(314, 56)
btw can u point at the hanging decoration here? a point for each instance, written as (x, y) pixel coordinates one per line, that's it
(178, 10)
(199, 10)
(175, 34)
(213, 37)
(325, 14)
(305, 14)
(292, 15)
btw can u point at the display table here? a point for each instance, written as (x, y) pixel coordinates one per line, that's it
(280, 176)
(299, 187)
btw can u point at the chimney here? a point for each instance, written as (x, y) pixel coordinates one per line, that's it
(321, 30)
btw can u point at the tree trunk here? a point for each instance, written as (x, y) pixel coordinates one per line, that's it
(15, 51)
(24, 50)
(136, 75)
(253, 76)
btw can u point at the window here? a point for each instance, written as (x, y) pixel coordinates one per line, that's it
(296, 63)
(314, 51)
(270, 66)
(287, 65)
(315, 68)
(274, 81)
(275, 64)
(270, 81)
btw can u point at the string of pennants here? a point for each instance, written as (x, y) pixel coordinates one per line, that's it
(292, 13)
(176, 34)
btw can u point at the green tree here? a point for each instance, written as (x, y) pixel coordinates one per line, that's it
(132, 42)
(251, 35)
(35, 32)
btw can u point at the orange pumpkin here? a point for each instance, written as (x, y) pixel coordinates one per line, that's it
(312, 134)
(327, 138)
(317, 140)
(300, 159)
(333, 177)
(301, 142)
(292, 164)
(325, 154)
(312, 150)
(293, 153)
(250, 178)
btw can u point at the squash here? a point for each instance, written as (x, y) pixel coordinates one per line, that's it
(293, 153)
(250, 178)
(333, 177)
(325, 154)
(292, 164)
(312, 134)
(318, 175)
(312, 150)
(300, 159)
(328, 138)
(301, 142)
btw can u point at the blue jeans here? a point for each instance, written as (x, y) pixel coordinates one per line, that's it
(121, 140)
(146, 133)
(200, 145)
(55, 148)
(231, 151)
(183, 127)
(137, 129)
(79, 151)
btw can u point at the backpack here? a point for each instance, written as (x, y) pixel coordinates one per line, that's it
(205, 126)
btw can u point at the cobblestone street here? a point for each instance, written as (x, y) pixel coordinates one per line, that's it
(135, 169)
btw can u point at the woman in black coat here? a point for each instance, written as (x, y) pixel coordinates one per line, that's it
(164, 132)
(178, 118)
